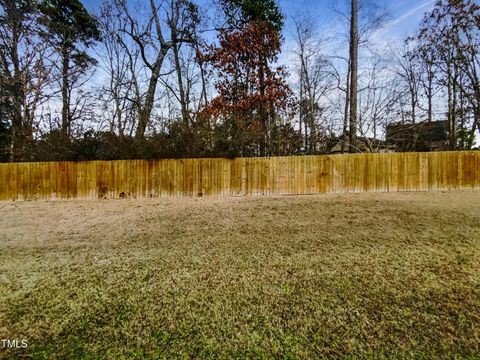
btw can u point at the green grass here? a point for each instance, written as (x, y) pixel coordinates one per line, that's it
(372, 276)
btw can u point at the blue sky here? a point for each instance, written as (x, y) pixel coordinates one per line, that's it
(405, 17)
(405, 14)
(404, 20)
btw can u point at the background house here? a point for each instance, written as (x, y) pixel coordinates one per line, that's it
(422, 136)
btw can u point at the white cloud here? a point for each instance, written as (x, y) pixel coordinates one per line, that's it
(404, 23)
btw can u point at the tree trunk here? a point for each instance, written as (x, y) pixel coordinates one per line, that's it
(145, 111)
(454, 106)
(65, 95)
(18, 136)
(347, 107)
(430, 96)
(450, 107)
(181, 91)
(263, 115)
(430, 101)
(354, 75)
(413, 101)
(17, 147)
(311, 112)
(300, 108)
(202, 76)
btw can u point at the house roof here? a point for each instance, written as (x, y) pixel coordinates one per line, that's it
(435, 130)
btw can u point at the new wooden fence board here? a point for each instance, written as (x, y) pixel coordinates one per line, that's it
(475, 163)
(19, 175)
(351, 173)
(355, 173)
(411, 171)
(453, 169)
(310, 167)
(327, 174)
(272, 176)
(4, 181)
(445, 171)
(463, 172)
(423, 172)
(12, 172)
(41, 184)
(379, 180)
(213, 173)
(241, 176)
(477, 171)
(281, 176)
(391, 173)
(400, 172)
(475, 159)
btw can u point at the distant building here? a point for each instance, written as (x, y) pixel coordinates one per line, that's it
(422, 136)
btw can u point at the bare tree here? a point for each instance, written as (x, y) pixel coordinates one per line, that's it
(24, 72)
(69, 30)
(119, 61)
(148, 36)
(378, 99)
(182, 23)
(426, 59)
(452, 33)
(315, 79)
(353, 66)
(409, 70)
(364, 18)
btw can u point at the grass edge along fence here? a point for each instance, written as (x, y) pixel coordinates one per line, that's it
(291, 175)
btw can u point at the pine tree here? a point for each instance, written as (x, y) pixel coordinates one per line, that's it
(69, 29)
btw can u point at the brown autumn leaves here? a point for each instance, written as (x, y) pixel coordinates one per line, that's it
(252, 92)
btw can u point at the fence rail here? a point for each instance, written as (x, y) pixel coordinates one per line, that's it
(292, 175)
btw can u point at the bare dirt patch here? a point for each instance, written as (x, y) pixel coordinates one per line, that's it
(358, 275)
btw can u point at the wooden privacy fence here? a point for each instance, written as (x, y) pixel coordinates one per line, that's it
(241, 176)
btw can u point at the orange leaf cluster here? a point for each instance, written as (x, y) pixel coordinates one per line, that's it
(247, 86)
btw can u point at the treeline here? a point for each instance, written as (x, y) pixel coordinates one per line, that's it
(156, 79)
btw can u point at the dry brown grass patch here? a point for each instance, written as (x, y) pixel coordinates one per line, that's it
(354, 276)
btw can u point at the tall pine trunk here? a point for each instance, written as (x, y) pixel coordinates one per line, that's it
(346, 111)
(181, 90)
(353, 76)
(65, 95)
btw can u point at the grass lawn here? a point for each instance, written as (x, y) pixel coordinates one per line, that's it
(343, 276)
